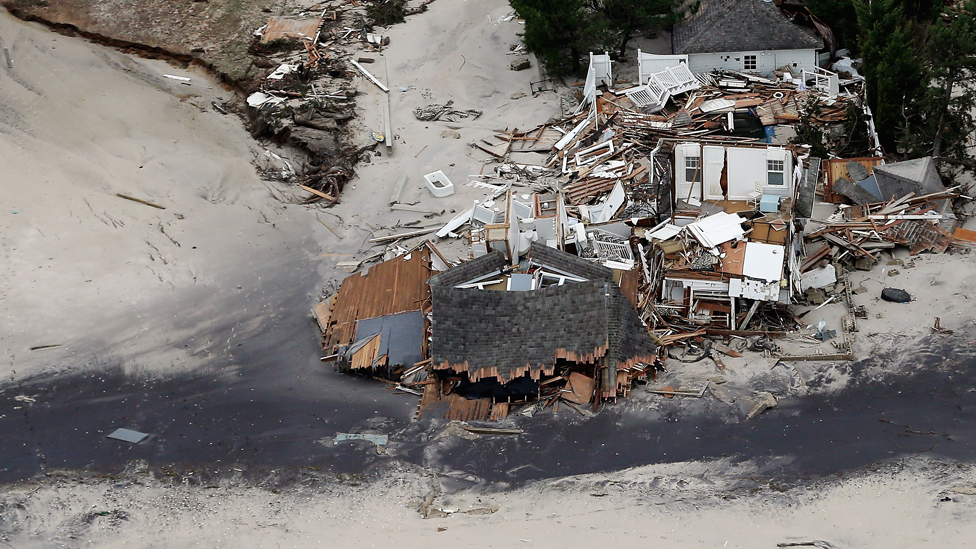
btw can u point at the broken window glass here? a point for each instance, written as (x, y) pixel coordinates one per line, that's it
(750, 62)
(774, 172)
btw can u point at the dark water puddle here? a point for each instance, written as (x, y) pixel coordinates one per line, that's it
(929, 409)
(281, 408)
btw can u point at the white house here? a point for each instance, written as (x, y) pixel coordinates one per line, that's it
(704, 171)
(743, 35)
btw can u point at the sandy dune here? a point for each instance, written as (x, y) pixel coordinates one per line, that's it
(95, 273)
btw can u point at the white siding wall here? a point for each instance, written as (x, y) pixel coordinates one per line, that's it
(746, 167)
(768, 61)
(800, 59)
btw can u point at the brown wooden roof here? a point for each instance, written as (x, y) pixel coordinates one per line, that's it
(395, 286)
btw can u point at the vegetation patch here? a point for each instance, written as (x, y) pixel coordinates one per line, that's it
(385, 13)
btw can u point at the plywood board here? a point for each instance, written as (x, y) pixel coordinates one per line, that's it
(282, 28)
(581, 387)
(733, 259)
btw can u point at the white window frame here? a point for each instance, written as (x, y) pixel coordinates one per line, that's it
(750, 60)
(775, 167)
(693, 172)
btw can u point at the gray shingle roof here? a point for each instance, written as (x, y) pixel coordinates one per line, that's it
(491, 333)
(919, 176)
(540, 254)
(470, 270)
(739, 25)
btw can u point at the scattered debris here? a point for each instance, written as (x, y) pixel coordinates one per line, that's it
(438, 184)
(39, 347)
(938, 329)
(895, 295)
(762, 402)
(128, 435)
(816, 543)
(491, 430)
(654, 218)
(444, 112)
(520, 64)
(141, 201)
(379, 440)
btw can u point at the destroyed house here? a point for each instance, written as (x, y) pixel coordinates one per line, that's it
(743, 35)
(376, 323)
(730, 244)
(564, 315)
(737, 172)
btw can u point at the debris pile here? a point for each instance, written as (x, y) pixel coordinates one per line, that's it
(654, 217)
(304, 95)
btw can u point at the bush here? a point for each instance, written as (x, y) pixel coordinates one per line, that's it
(385, 13)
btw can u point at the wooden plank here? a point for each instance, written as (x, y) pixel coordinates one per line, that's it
(323, 313)
(964, 235)
(367, 355)
(280, 28)
(370, 76)
(499, 411)
(580, 387)
(814, 258)
(141, 201)
(317, 193)
(726, 350)
(401, 235)
(492, 430)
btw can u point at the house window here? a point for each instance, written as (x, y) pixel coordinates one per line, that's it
(774, 172)
(750, 62)
(693, 173)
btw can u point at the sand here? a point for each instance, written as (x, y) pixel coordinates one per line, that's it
(909, 504)
(111, 280)
(103, 276)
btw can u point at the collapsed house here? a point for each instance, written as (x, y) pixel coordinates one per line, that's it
(654, 216)
(557, 326)
(493, 328)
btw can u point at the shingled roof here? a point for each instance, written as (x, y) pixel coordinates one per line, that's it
(739, 25)
(543, 255)
(506, 334)
(469, 270)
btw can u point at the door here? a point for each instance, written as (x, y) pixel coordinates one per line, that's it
(714, 157)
